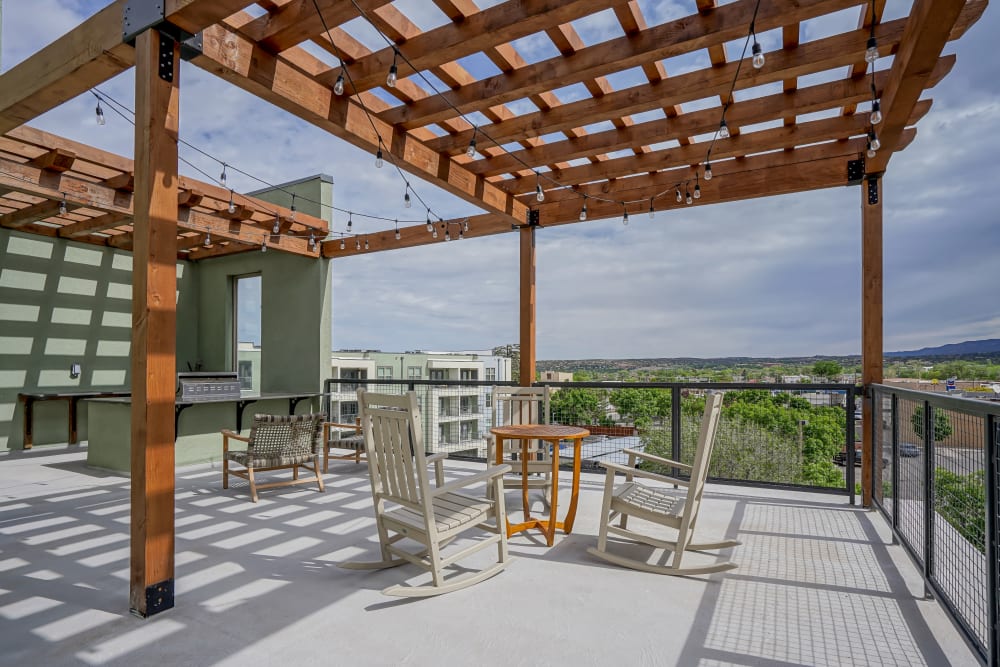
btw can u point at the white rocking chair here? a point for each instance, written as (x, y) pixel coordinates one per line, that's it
(407, 506)
(659, 506)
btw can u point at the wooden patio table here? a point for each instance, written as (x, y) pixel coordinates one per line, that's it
(551, 434)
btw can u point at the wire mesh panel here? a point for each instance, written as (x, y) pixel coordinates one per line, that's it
(960, 514)
(912, 492)
(882, 443)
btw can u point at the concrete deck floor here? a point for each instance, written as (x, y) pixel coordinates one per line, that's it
(818, 584)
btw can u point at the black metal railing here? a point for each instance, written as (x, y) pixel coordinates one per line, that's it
(798, 435)
(936, 476)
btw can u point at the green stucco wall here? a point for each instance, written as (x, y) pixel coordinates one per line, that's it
(63, 302)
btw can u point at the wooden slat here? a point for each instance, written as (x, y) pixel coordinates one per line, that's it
(663, 41)
(277, 80)
(927, 32)
(29, 214)
(96, 224)
(56, 159)
(297, 21)
(154, 328)
(817, 55)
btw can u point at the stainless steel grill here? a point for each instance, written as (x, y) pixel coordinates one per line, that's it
(207, 386)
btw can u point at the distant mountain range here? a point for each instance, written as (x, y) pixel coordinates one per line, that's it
(989, 346)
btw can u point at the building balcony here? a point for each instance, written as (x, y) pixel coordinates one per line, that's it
(820, 582)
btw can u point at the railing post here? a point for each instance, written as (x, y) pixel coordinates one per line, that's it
(928, 497)
(675, 426)
(849, 422)
(992, 443)
(895, 465)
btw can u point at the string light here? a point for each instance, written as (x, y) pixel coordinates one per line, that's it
(680, 197)
(366, 243)
(873, 141)
(312, 241)
(465, 225)
(758, 53)
(871, 53)
(357, 244)
(624, 214)
(583, 210)
(397, 230)
(208, 239)
(875, 117)
(723, 130)
(390, 80)
(471, 150)
(263, 245)
(338, 87)
(100, 113)
(697, 187)
(708, 171)
(232, 204)
(378, 157)
(222, 176)
(277, 224)
(350, 221)
(430, 227)
(434, 233)
(406, 197)
(652, 213)
(447, 233)
(539, 195)
(342, 244)
(62, 205)
(687, 196)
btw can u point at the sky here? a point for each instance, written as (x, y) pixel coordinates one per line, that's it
(779, 276)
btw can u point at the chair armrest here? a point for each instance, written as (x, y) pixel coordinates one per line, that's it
(438, 461)
(636, 472)
(234, 435)
(488, 474)
(434, 458)
(658, 459)
(353, 427)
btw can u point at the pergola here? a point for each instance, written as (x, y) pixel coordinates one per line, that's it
(774, 145)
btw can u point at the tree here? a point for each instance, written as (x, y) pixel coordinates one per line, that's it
(827, 368)
(577, 406)
(942, 427)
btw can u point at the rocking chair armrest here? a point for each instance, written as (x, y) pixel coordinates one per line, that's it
(657, 459)
(353, 427)
(438, 461)
(612, 468)
(436, 458)
(486, 475)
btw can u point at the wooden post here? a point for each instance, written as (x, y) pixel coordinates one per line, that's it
(527, 305)
(154, 327)
(871, 318)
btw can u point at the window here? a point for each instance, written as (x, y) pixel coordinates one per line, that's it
(468, 430)
(470, 374)
(469, 404)
(491, 374)
(247, 330)
(245, 371)
(384, 372)
(439, 374)
(348, 411)
(414, 372)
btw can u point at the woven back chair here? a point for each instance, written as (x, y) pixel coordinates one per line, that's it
(276, 442)
(661, 506)
(408, 505)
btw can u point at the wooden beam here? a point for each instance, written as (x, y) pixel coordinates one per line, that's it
(29, 214)
(298, 21)
(417, 235)
(285, 84)
(98, 223)
(809, 57)
(125, 182)
(871, 320)
(673, 38)
(927, 31)
(56, 159)
(527, 305)
(154, 331)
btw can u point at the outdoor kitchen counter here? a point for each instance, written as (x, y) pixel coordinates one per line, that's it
(196, 424)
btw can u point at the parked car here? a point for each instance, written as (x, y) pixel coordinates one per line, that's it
(908, 449)
(840, 458)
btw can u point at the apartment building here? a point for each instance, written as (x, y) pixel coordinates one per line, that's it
(455, 418)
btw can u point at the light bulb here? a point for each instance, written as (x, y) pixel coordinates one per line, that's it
(406, 200)
(338, 87)
(871, 151)
(434, 234)
(652, 213)
(873, 140)
(208, 240)
(447, 235)
(350, 221)
(625, 217)
(876, 115)
(312, 241)
(723, 129)
(357, 244)
(100, 114)
(62, 206)
(680, 198)
(232, 204)
(277, 225)
(465, 226)
(397, 234)
(583, 212)
(263, 246)
(539, 195)
(391, 79)
(222, 176)
(708, 171)
(292, 216)
(697, 191)
(871, 53)
(471, 150)
(687, 197)
(342, 244)
(366, 243)
(378, 159)
(430, 227)
(758, 56)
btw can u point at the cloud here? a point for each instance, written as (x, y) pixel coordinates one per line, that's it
(777, 276)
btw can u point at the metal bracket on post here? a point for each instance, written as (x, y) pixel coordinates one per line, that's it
(534, 218)
(872, 189)
(142, 15)
(855, 171)
(166, 60)
(159, 597)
